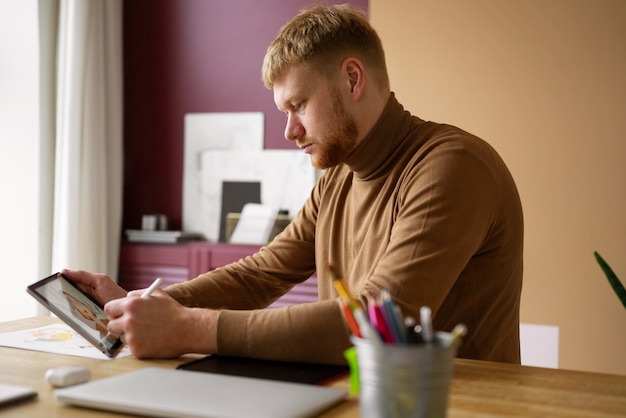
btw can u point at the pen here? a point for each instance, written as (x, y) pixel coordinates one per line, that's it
(459, 331)
(426, 322)
(157, 282)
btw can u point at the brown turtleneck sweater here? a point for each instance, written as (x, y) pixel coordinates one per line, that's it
(426, 210)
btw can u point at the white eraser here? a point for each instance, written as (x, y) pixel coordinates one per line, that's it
(67, 376)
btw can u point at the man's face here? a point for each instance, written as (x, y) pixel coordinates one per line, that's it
(317, 118)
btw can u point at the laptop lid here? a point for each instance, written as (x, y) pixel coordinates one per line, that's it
(158, 392)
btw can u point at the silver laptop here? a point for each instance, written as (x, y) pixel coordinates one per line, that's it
(158, 392)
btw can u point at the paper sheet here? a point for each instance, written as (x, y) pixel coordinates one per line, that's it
(55, 338)
(255, 224)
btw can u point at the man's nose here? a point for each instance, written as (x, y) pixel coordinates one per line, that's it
(294, 129)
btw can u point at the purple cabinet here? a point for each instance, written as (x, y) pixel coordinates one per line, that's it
(140, 264)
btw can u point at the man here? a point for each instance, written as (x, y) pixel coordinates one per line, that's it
(427, 211)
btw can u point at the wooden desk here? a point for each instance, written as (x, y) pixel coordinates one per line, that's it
(479, 389)
(24, 367)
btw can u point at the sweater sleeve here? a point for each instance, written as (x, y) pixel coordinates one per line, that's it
(256, 281)
(313, 332)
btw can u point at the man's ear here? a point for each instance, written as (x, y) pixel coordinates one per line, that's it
(355, 71)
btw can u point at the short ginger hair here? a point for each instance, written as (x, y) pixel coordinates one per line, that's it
(321, 38)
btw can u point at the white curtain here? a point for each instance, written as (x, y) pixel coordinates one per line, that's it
(88, 161)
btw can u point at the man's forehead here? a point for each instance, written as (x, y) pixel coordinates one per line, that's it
(295, 81)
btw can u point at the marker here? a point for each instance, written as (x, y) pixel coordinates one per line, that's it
(417, 335)
(157, 282)
(413, 331)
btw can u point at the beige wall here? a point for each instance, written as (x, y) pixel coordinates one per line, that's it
(545, 83)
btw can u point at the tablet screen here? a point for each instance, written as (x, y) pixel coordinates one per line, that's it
(78, 310)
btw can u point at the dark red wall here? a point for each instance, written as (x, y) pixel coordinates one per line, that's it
(190, 56)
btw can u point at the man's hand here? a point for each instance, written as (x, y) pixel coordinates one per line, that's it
(158, 326)
(98, 286)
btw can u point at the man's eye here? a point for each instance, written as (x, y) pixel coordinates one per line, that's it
(297, 107)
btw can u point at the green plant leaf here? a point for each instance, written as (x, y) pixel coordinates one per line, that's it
(617, 286)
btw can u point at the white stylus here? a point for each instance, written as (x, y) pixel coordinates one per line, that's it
(157, 282)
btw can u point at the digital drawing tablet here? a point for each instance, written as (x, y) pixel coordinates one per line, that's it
(78, 310)
(315, 374)
(160, 392)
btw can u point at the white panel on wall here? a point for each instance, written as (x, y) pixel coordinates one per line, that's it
(229, 147)
(286, 178)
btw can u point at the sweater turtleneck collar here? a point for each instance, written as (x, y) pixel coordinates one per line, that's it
(370, 158)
